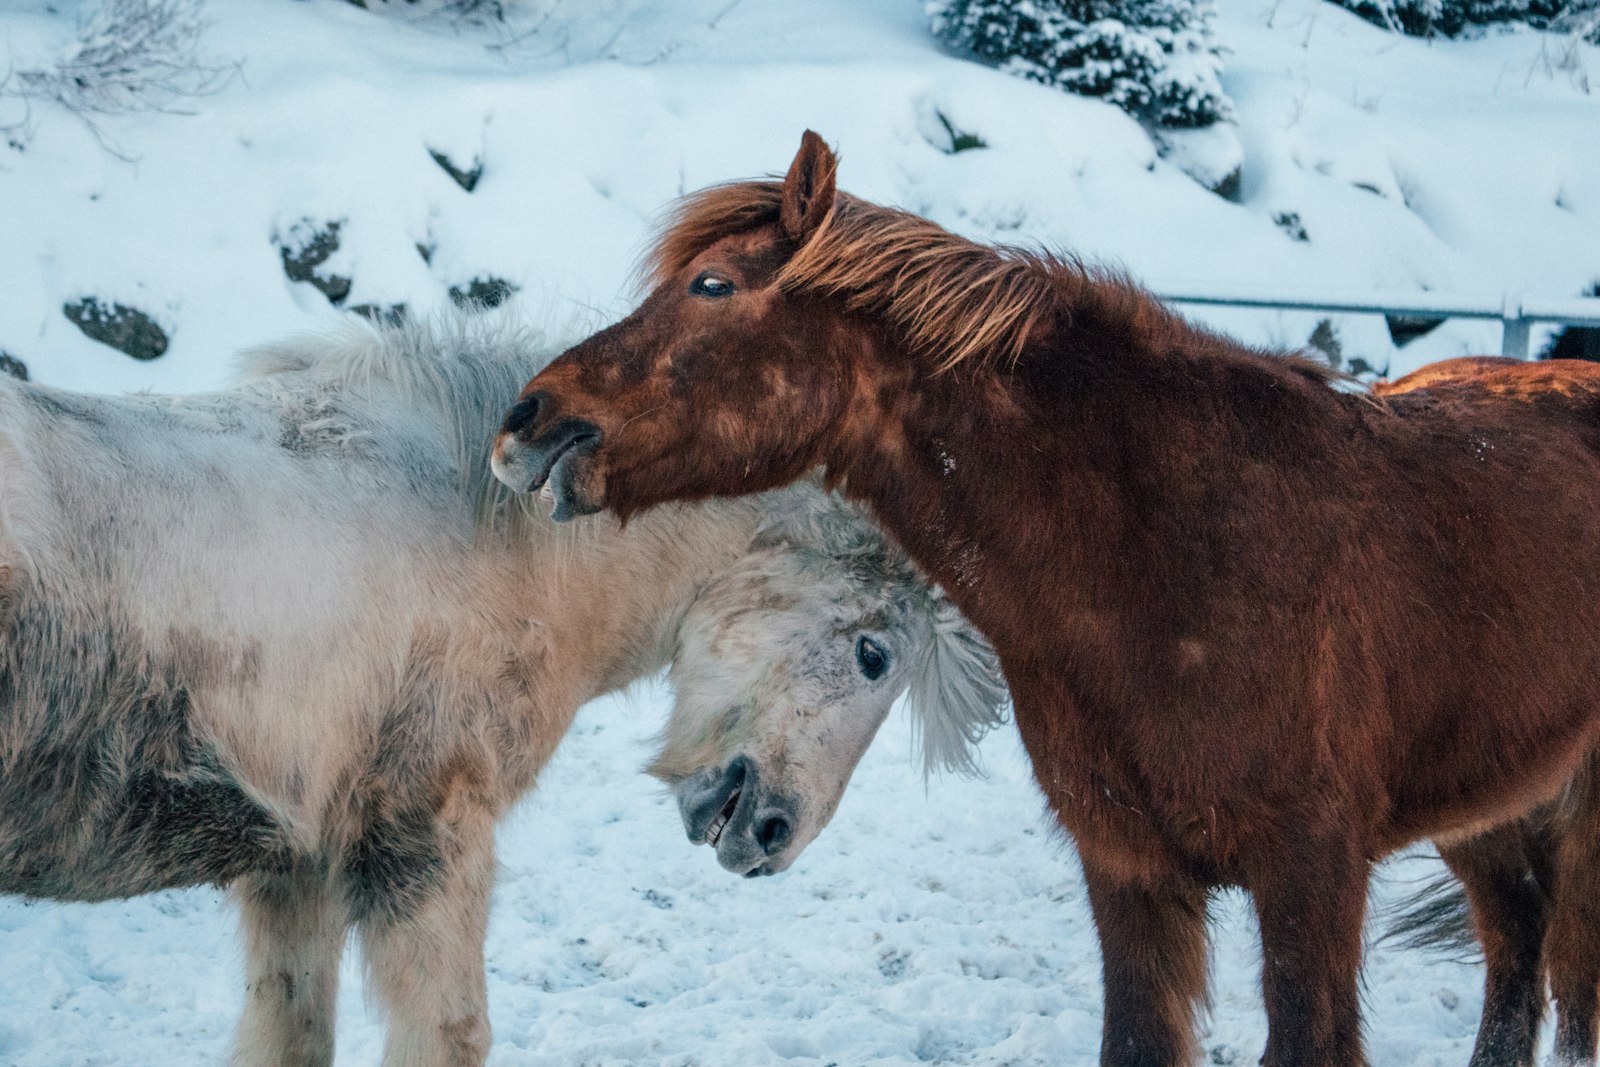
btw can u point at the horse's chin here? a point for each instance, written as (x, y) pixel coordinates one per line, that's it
(775, 865)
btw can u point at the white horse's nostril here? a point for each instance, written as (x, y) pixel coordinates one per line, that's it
(774, 833)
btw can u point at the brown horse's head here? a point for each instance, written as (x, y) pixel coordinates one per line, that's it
(722, 382)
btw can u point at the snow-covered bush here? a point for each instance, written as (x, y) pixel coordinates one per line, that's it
(1424, 18)
(130, 55)
(462, 10)
(1156, 59)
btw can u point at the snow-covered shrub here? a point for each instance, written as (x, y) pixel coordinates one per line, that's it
(130, 55)
(462, 10)
(1156, 59)
(1425, 18)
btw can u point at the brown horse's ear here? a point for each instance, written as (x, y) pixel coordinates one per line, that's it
(808, 188)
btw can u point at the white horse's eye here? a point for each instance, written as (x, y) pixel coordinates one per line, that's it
(712, 285)
(872, 658)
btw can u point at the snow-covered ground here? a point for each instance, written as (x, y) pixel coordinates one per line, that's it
(943, 924)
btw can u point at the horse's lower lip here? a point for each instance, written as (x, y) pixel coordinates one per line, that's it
(527, 464)
(544, 485)
(559, 481)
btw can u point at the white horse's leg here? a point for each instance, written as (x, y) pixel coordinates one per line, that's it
(425, 963)
(294, 935)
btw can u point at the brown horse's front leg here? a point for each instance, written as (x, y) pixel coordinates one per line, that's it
(1153, 954)
(1310, 896)
(1509, 913)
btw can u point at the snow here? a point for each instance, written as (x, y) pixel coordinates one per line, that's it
(943, 923)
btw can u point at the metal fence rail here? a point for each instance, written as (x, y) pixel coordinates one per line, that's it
(1516, 313)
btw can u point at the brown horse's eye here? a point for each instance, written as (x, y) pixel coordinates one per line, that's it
(712, 285)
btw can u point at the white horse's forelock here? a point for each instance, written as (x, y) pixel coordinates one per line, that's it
(958, 693)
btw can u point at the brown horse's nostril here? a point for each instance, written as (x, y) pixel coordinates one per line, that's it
(522, 414)
(773, 834)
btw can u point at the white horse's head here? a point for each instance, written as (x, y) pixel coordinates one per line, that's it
(789, 661)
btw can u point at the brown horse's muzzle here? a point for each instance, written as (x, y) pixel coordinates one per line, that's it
(558, 456)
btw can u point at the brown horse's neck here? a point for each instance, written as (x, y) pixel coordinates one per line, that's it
(927, 451)
(1076, 455)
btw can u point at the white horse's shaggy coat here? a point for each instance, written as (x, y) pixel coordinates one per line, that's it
(287, 637)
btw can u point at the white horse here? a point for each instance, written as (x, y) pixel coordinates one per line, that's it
(289, 637)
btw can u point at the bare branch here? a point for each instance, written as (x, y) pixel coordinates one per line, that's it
(130, 56)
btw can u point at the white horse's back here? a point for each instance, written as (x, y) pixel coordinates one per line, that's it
(201, 592)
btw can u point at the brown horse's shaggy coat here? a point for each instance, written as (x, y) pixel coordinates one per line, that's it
(1259, 630)
(1530, 883)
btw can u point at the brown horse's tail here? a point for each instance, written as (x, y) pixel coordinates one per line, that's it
(1436, 918)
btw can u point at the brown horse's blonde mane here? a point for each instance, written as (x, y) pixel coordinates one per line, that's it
(954, 299)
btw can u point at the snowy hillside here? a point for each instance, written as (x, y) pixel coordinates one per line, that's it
(944, 924)
(1405, 164)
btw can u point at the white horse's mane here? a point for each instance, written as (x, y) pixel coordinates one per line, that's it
(469, 365)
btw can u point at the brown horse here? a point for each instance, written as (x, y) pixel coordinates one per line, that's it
(1259, 629)
(1529, 883)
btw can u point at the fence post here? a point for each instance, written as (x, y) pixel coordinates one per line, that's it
(1514, 329)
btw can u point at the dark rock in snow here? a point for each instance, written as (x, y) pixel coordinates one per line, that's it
(305, 248)
(1289, 222)
(466, 178)
(124, 328)
(393, 315)
(486, 292)
(1228, 187)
